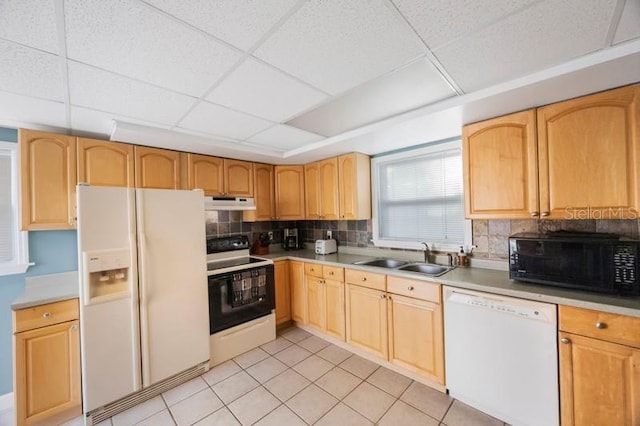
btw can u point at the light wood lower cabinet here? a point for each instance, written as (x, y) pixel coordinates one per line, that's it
(325, 299)
(397, 319)
(599, 368)
(298, 292)
(47, 364)
(283, 291)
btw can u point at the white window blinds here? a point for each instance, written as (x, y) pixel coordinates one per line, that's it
(6, 208)
(420, 198)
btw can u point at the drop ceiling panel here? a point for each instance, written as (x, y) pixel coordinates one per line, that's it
(97, 89)
(541, 36)
(29, 22)
(629, 25)
(260, 90)
(336, 45)
(284, 137)
(23, 111)
(219, 121)
(439, 21)
(410, 87)
(140, 42)
(30, 72)
(239, 22)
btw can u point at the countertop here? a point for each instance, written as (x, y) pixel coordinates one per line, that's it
(50, 288)
(479, 279)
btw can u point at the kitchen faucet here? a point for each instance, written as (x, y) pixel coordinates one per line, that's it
(427, 251)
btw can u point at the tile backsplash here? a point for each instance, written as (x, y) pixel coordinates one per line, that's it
(490, 236)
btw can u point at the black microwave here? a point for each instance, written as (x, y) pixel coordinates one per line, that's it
(597, 262)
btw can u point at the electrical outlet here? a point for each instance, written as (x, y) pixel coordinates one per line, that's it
(271, 235)
(329, 234)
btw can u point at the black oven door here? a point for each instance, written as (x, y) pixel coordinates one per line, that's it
(240, 296)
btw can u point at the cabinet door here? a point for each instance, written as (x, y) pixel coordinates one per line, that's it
(48, 180)
(589, 151)
(599, 382)
(315, 302)
(47, 374)
(238, 178)
(312, 197)
(334, 310)
(500, 167)
(283, 292)
(329, 205)
(263, 194)
(367, 319)
(354, 183)
(298, 292)
(416, 339)
(102, 163)
(289, 192)
(206, 173)
(157, 168)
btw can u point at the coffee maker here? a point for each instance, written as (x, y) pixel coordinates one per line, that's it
(290, 240)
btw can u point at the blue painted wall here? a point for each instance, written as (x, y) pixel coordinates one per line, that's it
(52, 252)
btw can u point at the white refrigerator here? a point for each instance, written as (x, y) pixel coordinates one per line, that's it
(144, 313)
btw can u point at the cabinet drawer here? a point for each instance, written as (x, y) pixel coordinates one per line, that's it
(600, 325)
(334, 273)
(43, 315)
(414, 288)
(313, 269)
(366, 279)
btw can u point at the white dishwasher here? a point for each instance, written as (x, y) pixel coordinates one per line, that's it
(501, 356)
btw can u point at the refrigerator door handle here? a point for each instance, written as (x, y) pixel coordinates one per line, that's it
(145, 291)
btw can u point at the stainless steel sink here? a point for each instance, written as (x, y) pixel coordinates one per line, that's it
(425, 268)
(382, 263)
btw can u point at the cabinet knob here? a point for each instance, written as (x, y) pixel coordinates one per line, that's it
(331, 273)
(74, 327)
(382, 296)
(601, 325)
(46, 315)
(544, 214)
(565, 340)
(410, 288)
(364, 278)
(534, 214)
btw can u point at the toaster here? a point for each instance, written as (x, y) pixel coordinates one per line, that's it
(326, 246)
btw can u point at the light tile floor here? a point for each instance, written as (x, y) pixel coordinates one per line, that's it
(300, 379)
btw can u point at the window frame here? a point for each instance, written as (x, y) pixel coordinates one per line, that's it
(430, 148)
(20, 261)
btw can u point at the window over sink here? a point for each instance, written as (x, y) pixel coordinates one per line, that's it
(14, 258)
(418, 197)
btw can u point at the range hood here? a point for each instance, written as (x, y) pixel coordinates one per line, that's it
(229, 203)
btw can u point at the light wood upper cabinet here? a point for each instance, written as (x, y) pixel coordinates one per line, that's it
(354, 183)
(501, 167)
(298, 292)
(48, 180)
(599, 367)
(47, 366)
(589, 156)
(289, 192)
(206, 173)
(263, 194)
(238, 180)
(321, 190)
(577, 159)
(157, 168)
(283, 291)
(103, 163)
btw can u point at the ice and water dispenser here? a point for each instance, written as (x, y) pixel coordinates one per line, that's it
(106, 275)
